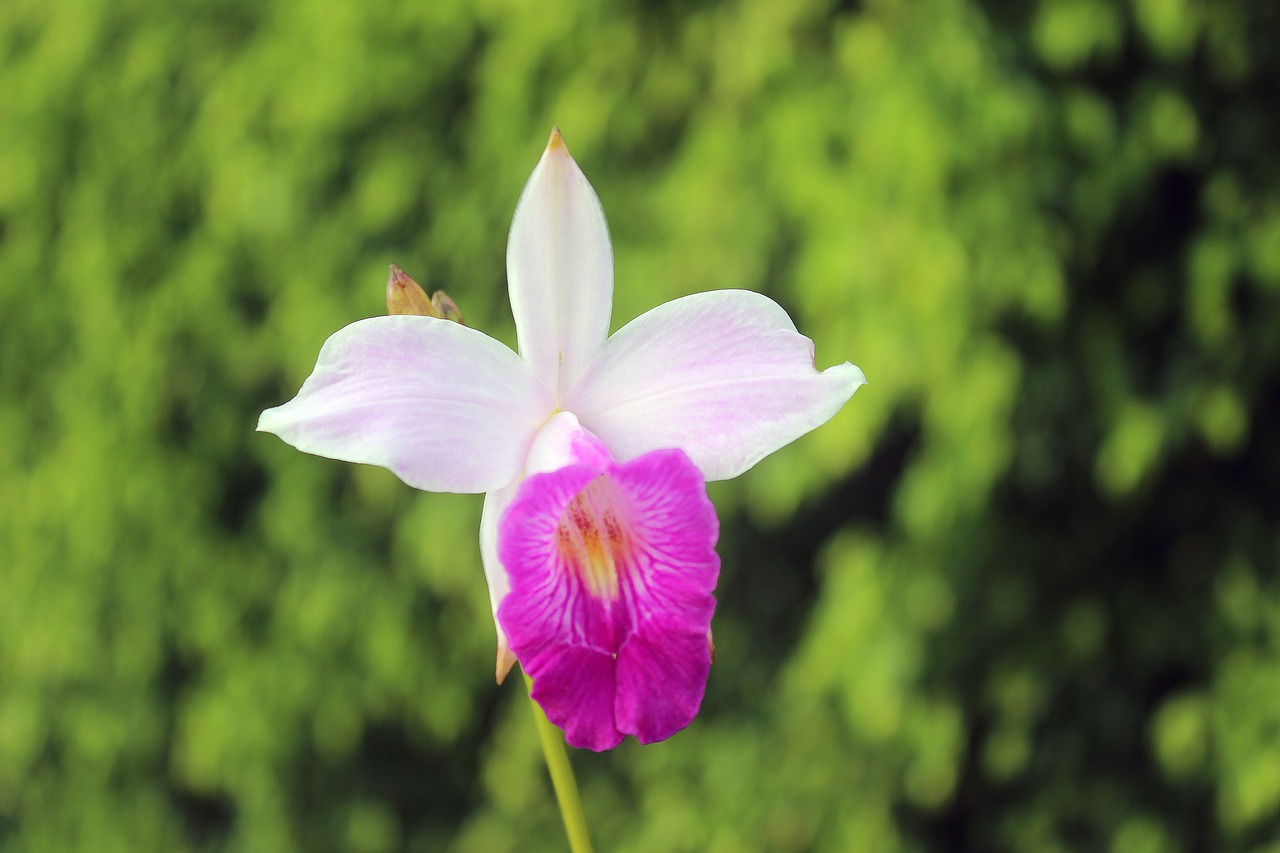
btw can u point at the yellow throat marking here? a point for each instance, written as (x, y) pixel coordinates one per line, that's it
(593, 541)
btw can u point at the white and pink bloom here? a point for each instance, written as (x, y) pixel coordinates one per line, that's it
(597, 537)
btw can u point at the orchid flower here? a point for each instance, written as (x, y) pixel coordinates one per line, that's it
(597, 537)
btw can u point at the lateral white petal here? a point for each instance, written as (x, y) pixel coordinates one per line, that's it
(445, 407)
(559, 269)
(724, 376)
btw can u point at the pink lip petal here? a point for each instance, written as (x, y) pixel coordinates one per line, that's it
(612, 570)
(661, 678)
(575, 686)
(663, 667)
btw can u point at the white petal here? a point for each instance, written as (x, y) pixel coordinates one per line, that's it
(561, 442)
(724, 376)
(445, 407)
(559, 269)
(495, 504)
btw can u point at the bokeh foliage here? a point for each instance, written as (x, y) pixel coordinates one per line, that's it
(1021, 594)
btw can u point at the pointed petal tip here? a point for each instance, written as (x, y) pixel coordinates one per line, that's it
(264, 422)
(506, 660)
(556, 142)
(850, 375)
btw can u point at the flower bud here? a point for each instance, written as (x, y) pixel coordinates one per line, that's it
(406, 296)
(446, 308)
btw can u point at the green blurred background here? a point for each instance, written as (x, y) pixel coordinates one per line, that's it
(1022, 594)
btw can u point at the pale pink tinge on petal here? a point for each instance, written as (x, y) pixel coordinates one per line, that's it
(445, 407)
(559, 269)
(724, 376)
(612, 571)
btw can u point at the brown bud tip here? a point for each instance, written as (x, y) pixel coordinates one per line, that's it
(446, 307)
(556, 142)
(406, 296)
(506, 660)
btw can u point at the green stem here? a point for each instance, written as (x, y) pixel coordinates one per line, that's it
(575, 825)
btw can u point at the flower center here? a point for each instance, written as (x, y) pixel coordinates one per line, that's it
(593, 539)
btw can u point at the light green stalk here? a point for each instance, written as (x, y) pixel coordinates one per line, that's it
(575, 825)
